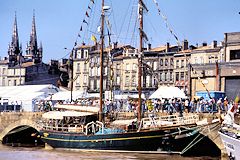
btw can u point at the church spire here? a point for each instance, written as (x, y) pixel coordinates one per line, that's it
(32, 51)
(15, 39)
(33, 36)
(14, 49)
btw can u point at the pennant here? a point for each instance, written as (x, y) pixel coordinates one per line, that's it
(92, 1)
(79, 35)
(93, 38)
(84, 21)
(87, 14)
(75, 44)
(236, 99)
(81, 28)
(89, 8)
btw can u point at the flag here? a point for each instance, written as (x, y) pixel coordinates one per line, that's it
(87, 14)
(236, 99)
(79, 35)
(92, 1)
(84, 21)
(81, 28)
(89, 8)
(93, 38)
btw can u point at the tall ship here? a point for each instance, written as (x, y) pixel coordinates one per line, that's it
(87, 130)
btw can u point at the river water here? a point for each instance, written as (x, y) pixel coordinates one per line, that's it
(21, 153)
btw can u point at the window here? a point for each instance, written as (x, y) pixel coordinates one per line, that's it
(85, 79)
(3, 81)
(134, 84)
(78, 67)
(234, 54)
(177, 76)
(98, 84)
(4, 71)
(85, 67)
(161, 62)
(85, 54)
(105, 71)
(15, 82)
(91, 84)
(182, 63)
(160, 77)
(127, 67)
(155, 65)
(177, 63)
(118, 80)
(165, 76)
(196, 60)
(182, 76)
(171, 62)
(168, 76)
(135, 67)
(79, 52)
(98, 71)
(171, 76)
(9, 83)
(166, 62)
(127, 81)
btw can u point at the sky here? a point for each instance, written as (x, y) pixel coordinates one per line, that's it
(58, 22)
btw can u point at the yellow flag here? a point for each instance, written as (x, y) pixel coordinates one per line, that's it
(93, 38)
(236, 99)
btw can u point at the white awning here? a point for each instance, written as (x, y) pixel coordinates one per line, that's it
(61, 114)
(77, 107)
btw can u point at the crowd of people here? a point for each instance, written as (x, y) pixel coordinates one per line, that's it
(196, 105)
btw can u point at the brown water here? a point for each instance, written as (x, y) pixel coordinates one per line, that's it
(20, 153)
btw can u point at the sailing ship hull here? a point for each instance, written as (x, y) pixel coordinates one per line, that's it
(231, 144)
(165, 141)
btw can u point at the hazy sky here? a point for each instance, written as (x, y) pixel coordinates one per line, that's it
(58, 22)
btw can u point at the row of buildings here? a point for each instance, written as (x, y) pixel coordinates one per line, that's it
(213, 67)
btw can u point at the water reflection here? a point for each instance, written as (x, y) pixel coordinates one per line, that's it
(20, 153)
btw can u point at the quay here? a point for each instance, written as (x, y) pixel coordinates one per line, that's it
(10, 121)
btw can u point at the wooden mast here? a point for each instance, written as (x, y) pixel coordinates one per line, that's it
(140, 59)
(101, 63)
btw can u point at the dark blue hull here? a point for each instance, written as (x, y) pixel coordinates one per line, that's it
(168, 140)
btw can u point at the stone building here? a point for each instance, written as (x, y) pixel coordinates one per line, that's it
(203, 61)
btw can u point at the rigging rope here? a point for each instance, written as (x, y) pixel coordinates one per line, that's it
(166, 22)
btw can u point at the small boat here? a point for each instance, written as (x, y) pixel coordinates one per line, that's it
(230, 134)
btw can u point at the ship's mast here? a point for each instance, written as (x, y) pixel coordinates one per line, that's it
(140, 58)
(101, 64)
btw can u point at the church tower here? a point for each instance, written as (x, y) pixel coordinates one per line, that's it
(32, 51)
(14, 49)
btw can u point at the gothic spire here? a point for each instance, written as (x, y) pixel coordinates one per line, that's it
(33, 36)
(15, 39)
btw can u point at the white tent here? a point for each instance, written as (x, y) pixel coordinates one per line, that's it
(168, 92)
(26, 95)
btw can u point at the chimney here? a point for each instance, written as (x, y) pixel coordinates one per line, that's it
(204, 44)
(149, 47)
(167, 47)
(114, 45)
(214, 44)
(185, 45)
